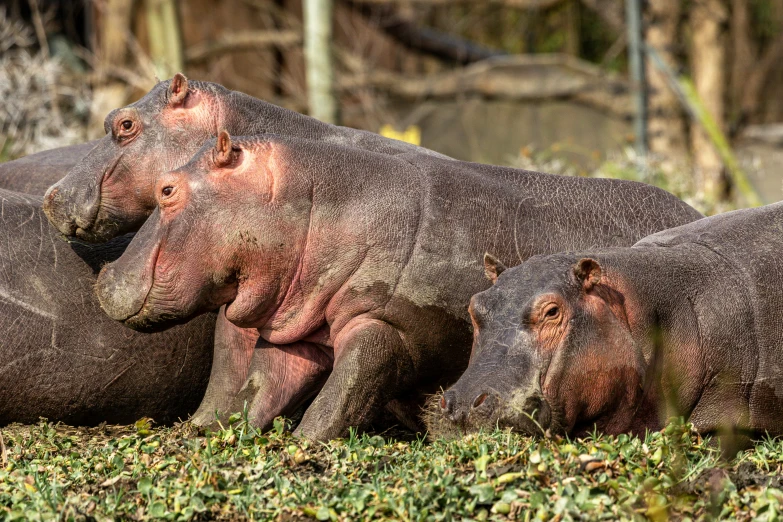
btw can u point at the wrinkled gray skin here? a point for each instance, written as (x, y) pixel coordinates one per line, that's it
(358, 266)
(111, 191)
(686, 322)
(34, 174)
(62, 358)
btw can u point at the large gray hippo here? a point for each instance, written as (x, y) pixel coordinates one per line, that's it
(60, 356)
(686, 322)
(34, 174)
(358, 266)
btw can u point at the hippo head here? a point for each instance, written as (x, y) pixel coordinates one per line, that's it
(110, 191)
(552, 352)
(218, 235)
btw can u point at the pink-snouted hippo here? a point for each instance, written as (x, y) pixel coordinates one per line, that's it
(358, 266)
(61, 357)
(34, 174)
(686, 322)
(111, 191)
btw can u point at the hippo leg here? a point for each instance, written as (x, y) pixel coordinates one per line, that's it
(231, 361)
(281, 378)
(372, 365)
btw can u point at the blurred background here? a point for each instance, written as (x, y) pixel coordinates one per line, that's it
(684, 94)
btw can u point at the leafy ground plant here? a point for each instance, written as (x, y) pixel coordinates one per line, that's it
(56, 472)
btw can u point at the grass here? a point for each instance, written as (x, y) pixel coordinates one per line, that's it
(56, 472)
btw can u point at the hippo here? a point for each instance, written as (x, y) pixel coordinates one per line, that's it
(110, 192)
(686, 322)
(34, 174)
(356, 267)
(62, 358)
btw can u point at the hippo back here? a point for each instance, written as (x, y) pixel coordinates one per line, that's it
(35, 173)
(62, 357)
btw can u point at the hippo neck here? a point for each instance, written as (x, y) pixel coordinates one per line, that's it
(245, 115)
(666, 288)
(348, 253)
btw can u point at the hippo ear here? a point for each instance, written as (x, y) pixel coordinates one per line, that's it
(178, 89)
(224, 151)
(492, 267)
(588, 272)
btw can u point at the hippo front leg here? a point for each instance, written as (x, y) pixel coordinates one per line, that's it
(233, 351)
(281, 379)
(371, 366)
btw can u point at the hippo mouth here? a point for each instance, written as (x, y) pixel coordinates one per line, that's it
(529, 415)
(124, 296)
(140, 319)
(535, 416)
(87, 229)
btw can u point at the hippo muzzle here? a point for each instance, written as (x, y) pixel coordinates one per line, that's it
(73, 203)
(124, 286)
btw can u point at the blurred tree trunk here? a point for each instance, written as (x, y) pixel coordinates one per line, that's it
(666, 124)
(743, 54)
(165, 37)
(707, 20)
(114, 27)
(318, 59)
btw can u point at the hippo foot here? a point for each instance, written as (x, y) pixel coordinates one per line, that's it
(373, 365)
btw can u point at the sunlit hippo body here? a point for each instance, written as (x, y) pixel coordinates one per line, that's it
(110, 192)
(62, 358)
(686, 322)
(34, 174)
(358, 266)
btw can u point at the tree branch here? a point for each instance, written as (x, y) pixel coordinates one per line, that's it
(520, 4)
(240, 41)
(424, 39)
(520, 77)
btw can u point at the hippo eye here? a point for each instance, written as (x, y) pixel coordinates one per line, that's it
(127, 124)
(552, 312)
(167, 190)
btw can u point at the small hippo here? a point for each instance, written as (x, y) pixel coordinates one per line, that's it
(61, 357)
(358, 266)
(35, 173)
(686, 322)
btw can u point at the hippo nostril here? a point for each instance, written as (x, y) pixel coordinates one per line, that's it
(478, 401)
(447, 402)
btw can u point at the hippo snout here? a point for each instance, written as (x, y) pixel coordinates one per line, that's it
(119, 293)
(464, 407)
(54, 208)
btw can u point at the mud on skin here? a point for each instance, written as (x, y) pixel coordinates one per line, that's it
(685, 322)
(62, 358)
(358, 285)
